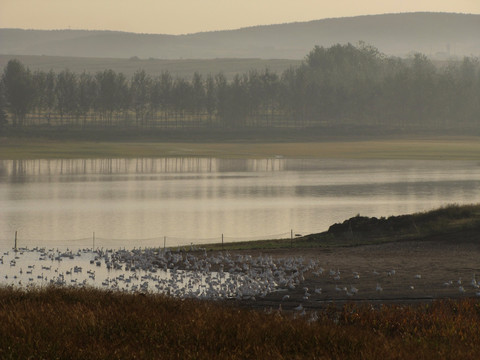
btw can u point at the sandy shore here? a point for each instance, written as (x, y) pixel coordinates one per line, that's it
(431, 148)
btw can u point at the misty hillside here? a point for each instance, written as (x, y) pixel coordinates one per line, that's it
(440, 35)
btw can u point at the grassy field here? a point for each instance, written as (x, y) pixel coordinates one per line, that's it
(183, 68)
(445, 148)
(55, 323)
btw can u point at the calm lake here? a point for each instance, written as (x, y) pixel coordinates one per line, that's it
(144, 202)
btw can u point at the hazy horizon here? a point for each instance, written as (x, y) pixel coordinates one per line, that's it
(189, 16)
(230, 29)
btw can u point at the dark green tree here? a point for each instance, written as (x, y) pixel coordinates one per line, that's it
(66, 90)
(293, 94)
(49, 98)
(255, 96)
(122, 98)
(165, 94)
(39, 79)
(111, 88)
(87, 93)
(182, 99)
(198, 95)
(236, 105)
(221, 86)
(210, 97)
(140, 88)
(271, 86)
(3, 109)
(19, 91)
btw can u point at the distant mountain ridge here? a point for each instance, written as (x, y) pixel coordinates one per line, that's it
(439, 35)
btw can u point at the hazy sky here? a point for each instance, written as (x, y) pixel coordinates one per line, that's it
(189, 16)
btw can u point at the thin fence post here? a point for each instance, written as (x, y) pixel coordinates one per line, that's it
(15, 240)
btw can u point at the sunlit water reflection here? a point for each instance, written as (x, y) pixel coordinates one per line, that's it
(179, 201)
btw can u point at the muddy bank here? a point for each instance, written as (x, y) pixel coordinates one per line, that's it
(436, 267)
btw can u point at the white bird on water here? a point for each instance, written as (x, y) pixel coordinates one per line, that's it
(474, 282)
(313, 317)
(298, 308)
(307, 294)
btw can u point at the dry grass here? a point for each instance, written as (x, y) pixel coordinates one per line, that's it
(465, 148)
(85, 324)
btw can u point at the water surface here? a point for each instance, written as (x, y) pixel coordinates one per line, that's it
(146, 202)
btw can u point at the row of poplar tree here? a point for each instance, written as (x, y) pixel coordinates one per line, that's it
(337, 86)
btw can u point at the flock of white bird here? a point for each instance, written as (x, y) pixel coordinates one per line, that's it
(178, 273)
(195, 273)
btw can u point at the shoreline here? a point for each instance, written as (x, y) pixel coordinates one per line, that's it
(429, 148)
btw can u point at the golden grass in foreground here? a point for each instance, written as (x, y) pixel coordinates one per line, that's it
(87, 324)
(464, 148)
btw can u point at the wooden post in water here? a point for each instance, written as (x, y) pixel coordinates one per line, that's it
(15, 240)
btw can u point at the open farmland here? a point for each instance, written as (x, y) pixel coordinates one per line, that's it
(183, 68)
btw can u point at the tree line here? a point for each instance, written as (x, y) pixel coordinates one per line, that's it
(342, 85)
